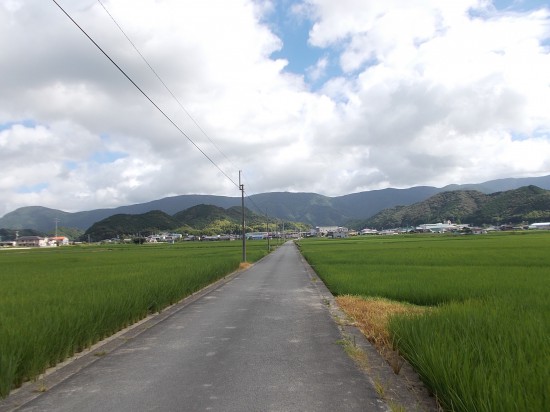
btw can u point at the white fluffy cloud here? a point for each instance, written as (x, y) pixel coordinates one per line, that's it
(428, 92)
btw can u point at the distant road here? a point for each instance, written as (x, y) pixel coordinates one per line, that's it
(264, 341)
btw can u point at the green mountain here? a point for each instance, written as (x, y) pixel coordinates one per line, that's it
(196, 220)
(122, 225)
(312, 208)
(9, 234)
(526, 204)
(42, 218)
(202, 216)
(37, 218)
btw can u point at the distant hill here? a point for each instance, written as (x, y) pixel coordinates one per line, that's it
(198, 220)
(502, 185)
(202, 216)
(529, 203)
(9, 234)
(42, 218)
(122, 224)
(311, 208)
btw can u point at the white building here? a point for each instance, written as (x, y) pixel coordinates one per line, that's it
(32, 241)
(437, 227)
(331, 231)
(58, 241)
(257, 235)
(164, 238)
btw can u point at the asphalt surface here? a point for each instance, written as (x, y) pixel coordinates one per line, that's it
(264, 341)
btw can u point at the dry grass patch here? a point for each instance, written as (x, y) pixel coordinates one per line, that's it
(372, 315)
(244, 265)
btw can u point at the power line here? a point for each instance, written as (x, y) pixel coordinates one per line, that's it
(258, 208)
(239, 186)
(164, 84)
(144, 94)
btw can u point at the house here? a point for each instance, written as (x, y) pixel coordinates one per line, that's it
(437, 227)
(323, 230)
(257, 235)
(388, 232)
(32, 241)
(331, 231)
(337, 234)
(59, 240)
(334, 232)
(164, 238)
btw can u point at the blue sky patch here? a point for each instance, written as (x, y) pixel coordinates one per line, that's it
(107, 157)
(37, 188)
(520, 5)
(537, 134)
(293, 30)
(70, 165)
(25, 122)
(509, 6)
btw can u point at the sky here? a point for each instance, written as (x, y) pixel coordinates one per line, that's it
(300, 95)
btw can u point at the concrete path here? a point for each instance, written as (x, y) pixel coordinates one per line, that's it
(264, 341)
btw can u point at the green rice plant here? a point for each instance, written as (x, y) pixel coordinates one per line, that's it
(487, 355)
(55, 302)
(486, 346)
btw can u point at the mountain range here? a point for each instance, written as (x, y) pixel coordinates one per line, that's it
(526, 204)
(311, 208)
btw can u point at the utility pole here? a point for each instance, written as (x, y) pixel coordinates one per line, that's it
(241, 188)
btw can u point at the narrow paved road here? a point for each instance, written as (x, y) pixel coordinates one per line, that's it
(264, 341)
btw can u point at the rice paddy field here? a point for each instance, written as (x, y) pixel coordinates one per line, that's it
(55, 302)
(485, 343)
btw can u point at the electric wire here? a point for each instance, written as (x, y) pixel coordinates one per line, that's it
(164, 84)
(144, 94)
(251, 200)
(273, 219)
(247, 196)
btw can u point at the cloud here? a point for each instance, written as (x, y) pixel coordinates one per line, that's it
(414, 70)
(427, 92)
(317, 71)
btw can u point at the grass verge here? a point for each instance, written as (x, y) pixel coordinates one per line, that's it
(485, 342)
